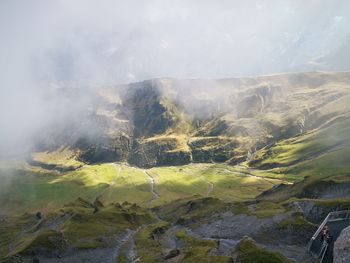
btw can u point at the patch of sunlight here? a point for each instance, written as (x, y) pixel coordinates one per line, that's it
(89, 175)
(130, 184)
(208, 179)
(250, 179)
(61, 157)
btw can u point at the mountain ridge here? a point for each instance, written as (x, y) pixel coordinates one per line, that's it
(245, 113)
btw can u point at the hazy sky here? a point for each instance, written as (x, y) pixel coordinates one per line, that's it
(121, 41)
(52, 43)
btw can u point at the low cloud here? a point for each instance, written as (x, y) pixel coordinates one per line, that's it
(62, 43)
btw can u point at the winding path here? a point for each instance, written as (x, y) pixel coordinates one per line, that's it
(128, 241)
(155, 195)
(124, 240)
(210, 188)
(117, 175)
(126, 247)
(248, 173)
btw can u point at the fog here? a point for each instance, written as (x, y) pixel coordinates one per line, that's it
(62, 43)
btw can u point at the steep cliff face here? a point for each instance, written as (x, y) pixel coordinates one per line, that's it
(158, 151)
(149, 113)
(342, 247)
(218, 120)
(212, 149)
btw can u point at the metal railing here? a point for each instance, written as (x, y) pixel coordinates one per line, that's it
(339, 215)
(324, 253)
(331, 217)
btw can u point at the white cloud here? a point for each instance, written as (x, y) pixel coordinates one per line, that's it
(337, 19)
(113, 41)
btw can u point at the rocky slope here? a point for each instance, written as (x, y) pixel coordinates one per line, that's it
(342, 247)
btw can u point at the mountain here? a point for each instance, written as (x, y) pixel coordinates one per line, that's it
(181, 170)
(174, 121)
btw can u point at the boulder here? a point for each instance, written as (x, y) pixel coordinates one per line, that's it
(342, 247)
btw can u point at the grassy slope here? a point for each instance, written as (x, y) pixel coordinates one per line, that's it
(214, 180)
(32, 188)
(309, 145)
(25, 191)
(129, 184)
(318, 155)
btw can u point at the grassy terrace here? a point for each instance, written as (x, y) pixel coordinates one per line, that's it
(33, 188)
(216, 180)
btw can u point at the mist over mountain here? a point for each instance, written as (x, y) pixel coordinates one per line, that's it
(169, 121)
(182, 169)
(116, 42)
(174, 131)
(88, 43)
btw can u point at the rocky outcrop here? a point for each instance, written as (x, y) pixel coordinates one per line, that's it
(326, 190)
(342, 247)
(158, 152)
(105, 149)
(212, 149)
(150, 111)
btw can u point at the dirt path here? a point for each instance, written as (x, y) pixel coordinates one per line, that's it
(118, 169)
(121, 243)
(255, 176)
(248, 173)
(117, 174)
(203, 178)
(127, 248)
(155, 195)
(210, 188)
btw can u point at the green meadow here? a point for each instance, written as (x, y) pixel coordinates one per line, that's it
(32, 188)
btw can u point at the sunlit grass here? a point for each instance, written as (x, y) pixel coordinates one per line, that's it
(208, 179)
(118, 183)
(31, 189)
(331, 164)
(309, 145)
(90, 175)
(176, 182)
(129, 184)
(24, 191)
(61, 157)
